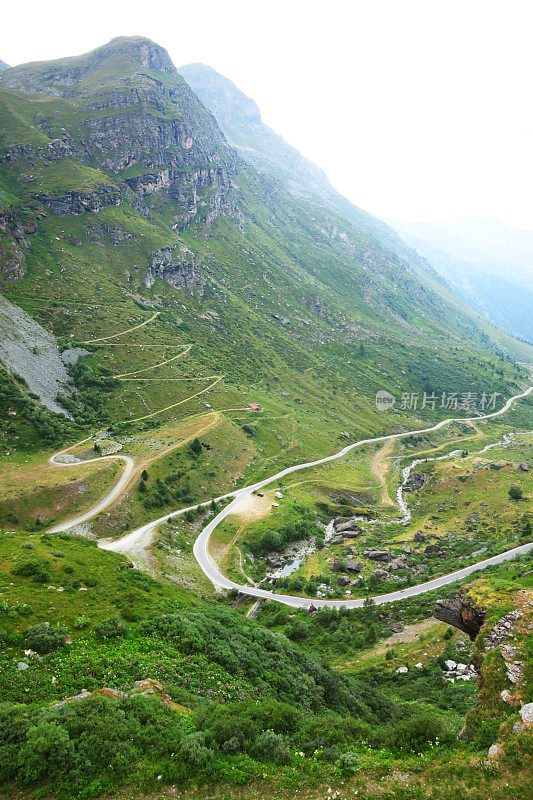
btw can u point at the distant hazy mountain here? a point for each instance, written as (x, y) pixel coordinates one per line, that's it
(3, 65)
(506, 301)
(487, 245)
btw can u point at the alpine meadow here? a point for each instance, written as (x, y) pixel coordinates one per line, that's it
(266, 479)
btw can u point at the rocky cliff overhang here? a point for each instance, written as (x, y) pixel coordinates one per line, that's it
(461, 613)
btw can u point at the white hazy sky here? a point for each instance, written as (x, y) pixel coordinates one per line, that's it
(416, 109)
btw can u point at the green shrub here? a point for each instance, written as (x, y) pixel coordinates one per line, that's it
(348, 764)
(298, 630)
(419, 733)
(35, 568)
(47, 752)
(270, 746)
(80, 623)
(46, 638)
(112, 628)
(194, 750)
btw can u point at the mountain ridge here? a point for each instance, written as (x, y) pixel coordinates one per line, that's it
(120, 185)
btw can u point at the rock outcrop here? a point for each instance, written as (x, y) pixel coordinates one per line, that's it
(154, 128)
(176, 265)
(461, 613)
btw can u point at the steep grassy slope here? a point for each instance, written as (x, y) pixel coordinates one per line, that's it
(226, 707)
(240, 119)
(130, 226)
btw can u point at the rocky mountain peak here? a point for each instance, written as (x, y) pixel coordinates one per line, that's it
(149, 54)
(123, 55)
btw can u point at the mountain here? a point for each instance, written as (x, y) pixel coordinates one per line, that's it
(487, 245)
(494, 297)
(120, 194)
(3, 65)
(198, 324)
(240, 119)
(500, 290)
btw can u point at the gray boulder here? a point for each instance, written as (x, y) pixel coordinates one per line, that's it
(353, 566)
(379, 555)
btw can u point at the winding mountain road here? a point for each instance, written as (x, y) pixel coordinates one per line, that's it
(211, 570)
(107, 500)
(142, 537)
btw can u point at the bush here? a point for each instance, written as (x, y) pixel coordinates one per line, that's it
(194, 750)
(270, 746)
(515, 492)
(47, 752)
(46, 638)
(419, 733)
(111, 628)
(34, 568)
(298, 630)
(80, 623)
(195, 447)
(348, 764)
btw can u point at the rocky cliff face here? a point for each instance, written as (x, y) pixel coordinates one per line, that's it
(460, 612)
(133, 108)
(138, 122)
(14, 243)
(175, 265)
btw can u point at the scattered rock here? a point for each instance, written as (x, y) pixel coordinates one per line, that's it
(495, 751)
(82, 696)
(379, 555)
(515, 672)
(526, 713)
(396, 627)
(353, 566)
(460, 612)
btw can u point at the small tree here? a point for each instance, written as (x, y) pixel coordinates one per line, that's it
(515, 492)
(144, 475)
(196, 447)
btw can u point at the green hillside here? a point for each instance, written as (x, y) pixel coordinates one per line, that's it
(217, 318)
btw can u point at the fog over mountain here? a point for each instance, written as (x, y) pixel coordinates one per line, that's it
(486, 244)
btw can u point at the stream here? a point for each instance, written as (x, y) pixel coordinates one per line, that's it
(305, 549)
